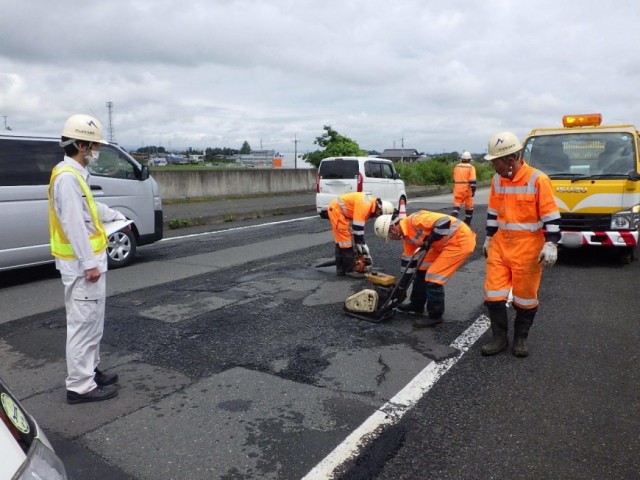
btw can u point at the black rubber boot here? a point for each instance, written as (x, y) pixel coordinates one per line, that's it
(455, 212)
(339, 261)
(348, 259)
(409, 307)
(499, 328)
(468, 215)
(434, 294)
(521, 326)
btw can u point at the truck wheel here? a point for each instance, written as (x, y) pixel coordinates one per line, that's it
(121, 249)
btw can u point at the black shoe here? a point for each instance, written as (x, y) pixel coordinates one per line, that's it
(423, 322)
(104, 379)
(96, 395)
(497, 344)
(520, 347)
(410, 308)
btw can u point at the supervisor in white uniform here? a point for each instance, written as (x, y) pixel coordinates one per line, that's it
(78, 243)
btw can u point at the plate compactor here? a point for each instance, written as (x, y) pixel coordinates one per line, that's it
(378, 304)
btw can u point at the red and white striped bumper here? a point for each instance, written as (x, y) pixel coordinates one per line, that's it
(602, 239)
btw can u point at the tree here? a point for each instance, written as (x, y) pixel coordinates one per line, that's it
(335, 145)
(245, 149)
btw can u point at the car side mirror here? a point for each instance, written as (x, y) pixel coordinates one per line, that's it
(143, 173)
(396, 176)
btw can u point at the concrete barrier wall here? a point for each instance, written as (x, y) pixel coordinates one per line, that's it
(183, 184)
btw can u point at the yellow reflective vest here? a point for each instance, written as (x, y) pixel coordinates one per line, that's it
(60, 246)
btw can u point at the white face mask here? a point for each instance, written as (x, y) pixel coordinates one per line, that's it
(91, 158)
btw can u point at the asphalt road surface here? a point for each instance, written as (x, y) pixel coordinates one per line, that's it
(237, 362)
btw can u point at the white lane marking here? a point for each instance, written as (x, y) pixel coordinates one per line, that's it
(391, 412)
(237, 228)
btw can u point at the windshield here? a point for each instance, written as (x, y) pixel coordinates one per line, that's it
(579, 154)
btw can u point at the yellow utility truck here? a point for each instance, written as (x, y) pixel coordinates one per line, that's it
(594, 170)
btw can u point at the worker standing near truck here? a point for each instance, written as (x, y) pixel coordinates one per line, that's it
(464, 187)
(449, 241)
(523, 228)
(348, 214)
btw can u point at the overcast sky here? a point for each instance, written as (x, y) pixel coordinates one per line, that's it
(432, 75)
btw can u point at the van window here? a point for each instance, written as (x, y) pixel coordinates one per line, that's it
(372, 170)
(38, 158)
(387, 170)
(28, 162)
(112, 163)
(338, 169)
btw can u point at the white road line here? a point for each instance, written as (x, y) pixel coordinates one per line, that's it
(237, 228)
(391, 412)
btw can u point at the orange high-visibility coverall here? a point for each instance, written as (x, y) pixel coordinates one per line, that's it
(356, 207)
(464, 185)
(451, 240)
(518, 210)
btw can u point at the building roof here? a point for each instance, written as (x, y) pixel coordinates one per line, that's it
(393, 153)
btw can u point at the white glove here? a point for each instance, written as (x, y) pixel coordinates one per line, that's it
(485, 247)
(363, 249)
(548, 254)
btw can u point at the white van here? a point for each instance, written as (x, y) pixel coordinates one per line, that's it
(117, 180)
(371, 175)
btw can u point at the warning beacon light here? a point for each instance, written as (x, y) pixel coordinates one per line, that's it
(582, 120)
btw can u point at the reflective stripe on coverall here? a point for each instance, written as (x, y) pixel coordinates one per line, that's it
(464, 176)
(356, 207)
(449, 249)
(518, 208)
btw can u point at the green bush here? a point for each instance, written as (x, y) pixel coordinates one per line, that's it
(436, 173)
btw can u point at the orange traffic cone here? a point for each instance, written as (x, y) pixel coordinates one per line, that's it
(402, 212)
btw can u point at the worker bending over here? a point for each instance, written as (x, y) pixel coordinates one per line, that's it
(449, 242)
(348, 214)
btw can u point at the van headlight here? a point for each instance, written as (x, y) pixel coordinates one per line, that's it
(41, 462)
(626, 219)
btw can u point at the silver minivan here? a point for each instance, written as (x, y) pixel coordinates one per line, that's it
(371, 175)
(117, 180)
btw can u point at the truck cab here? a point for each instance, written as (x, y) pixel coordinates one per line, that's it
(594, 170)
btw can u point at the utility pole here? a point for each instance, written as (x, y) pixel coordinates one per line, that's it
(402, 151)
(5, 122)
(112, 137)
(295, 151)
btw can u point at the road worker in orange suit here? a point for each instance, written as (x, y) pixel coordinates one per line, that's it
(523, 228)
(450, 243)
(464, 187)
(348, 214)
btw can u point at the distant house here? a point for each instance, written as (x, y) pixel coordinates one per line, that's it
(257, 157)
(400, 154)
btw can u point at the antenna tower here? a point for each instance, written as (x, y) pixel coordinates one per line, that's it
(112, 137)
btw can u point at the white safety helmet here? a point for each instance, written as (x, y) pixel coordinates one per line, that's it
(83, 127)
(466, 156)
(387, 208)
(503, 144)
(382, 224)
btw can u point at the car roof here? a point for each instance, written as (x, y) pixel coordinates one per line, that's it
(356, 158)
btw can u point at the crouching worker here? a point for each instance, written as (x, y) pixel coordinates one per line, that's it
(450, 242)
(357, 208)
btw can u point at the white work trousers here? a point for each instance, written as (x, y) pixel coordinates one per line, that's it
(84, 302)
